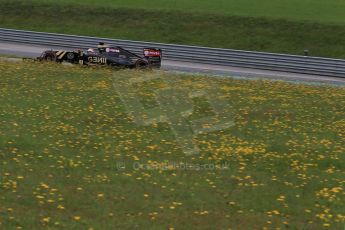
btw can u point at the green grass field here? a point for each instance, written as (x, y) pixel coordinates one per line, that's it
(271, 26)
(70, 153)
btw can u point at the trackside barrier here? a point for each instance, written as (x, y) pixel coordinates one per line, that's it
(193, 54)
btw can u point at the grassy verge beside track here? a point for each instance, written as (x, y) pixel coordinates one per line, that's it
(64, 132)
(331, 11)
(171, 26)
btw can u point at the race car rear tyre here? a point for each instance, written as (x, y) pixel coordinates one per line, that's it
(141, 64)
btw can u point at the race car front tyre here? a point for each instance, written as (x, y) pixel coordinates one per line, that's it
(70, 56)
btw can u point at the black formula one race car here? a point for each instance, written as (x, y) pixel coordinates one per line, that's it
(105, 55)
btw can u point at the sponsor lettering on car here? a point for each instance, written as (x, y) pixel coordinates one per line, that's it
(98, 60)
(152, 53)
(109, 50)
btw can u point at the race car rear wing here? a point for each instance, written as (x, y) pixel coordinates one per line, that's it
(154, 56)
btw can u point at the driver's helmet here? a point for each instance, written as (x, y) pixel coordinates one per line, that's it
(102, 47)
